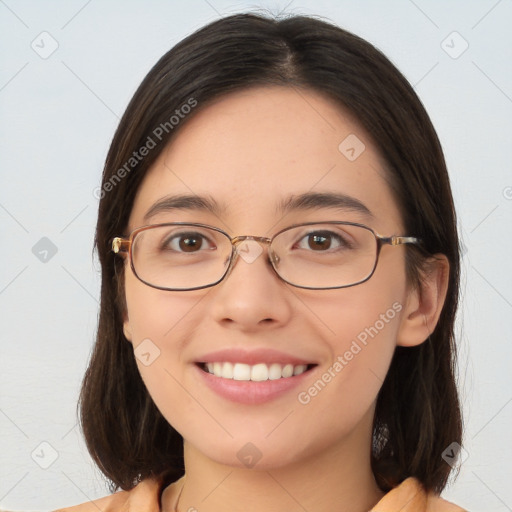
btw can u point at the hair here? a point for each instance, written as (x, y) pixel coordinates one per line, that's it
(417, 412)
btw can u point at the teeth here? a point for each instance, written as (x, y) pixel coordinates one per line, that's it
(240, 372)
(275, 371)
(300, 368)
(257, 373)
(227, 370)
(287, 370)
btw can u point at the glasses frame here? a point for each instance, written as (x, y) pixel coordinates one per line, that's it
(122, 245)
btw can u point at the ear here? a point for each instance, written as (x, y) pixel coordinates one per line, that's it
(127, 329)
(425, 303)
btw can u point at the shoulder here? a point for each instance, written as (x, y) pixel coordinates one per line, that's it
(144, 497)
(409, 496)
(437, 504)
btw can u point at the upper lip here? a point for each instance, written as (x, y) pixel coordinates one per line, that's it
(252, 357)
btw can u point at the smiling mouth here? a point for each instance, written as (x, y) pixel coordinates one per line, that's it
(256, 373)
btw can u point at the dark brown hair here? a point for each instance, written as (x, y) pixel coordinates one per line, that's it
(418, 413)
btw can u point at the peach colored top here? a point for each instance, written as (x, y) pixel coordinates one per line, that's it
(145, 497)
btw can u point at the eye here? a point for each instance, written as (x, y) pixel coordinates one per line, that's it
(188, 242)
(321, 241)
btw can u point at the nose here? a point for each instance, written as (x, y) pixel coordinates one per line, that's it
(252, 296)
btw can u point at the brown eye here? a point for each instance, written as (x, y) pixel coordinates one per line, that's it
(321, 241)
(188, 242)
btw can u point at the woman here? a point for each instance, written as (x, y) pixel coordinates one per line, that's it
(280, 271)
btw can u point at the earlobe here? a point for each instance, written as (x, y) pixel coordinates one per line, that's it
(127, 330)
(425, 303)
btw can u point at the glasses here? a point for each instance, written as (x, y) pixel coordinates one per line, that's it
(180, 256)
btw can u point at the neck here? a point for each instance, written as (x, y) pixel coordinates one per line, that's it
(338, 478)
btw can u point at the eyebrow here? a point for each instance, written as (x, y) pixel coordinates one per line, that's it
(183, 202)
(307, 201)
(312, 200)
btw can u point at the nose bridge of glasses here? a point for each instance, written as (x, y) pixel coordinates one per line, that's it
(237, 240)
(249, 248)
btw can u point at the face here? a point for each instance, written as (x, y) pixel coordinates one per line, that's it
(249, 153)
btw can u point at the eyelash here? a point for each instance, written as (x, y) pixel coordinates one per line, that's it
(343, 243)
(177, 237)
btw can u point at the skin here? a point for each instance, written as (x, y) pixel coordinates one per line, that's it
(261, 146)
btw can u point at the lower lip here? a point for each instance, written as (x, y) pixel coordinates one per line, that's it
(249, 392)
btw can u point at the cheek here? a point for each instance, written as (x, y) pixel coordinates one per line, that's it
(160, 323)
(156, 314)
(360, 326)
(363, 313)
(341, 398)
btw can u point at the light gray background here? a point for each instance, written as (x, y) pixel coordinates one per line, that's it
(58, 115)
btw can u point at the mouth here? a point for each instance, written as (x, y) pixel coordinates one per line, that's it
(259, 372)
(255, 376)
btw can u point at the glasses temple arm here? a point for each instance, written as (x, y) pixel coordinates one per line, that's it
(120, 245)
(399, 240)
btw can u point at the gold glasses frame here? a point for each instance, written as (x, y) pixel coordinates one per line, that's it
(124, 245)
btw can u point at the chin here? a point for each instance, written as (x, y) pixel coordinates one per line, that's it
(255, 454)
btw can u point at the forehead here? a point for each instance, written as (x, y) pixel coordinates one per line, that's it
(253, 151)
